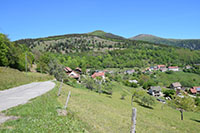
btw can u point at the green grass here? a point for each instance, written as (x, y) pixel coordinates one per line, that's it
(105, 114)
(187, 78)
(92, 112)
(11, 78)
(40, 115)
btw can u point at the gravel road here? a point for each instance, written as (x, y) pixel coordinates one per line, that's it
(20, 95)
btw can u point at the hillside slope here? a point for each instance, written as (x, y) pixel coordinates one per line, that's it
(90, 112)
(94, 41)
(13, 77)
(193, 44)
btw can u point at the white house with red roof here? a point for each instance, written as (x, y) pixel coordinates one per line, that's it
(74, 75)
(71, 73)
(98, 74)
(161, 67)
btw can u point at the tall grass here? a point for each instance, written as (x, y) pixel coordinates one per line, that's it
(11, 78)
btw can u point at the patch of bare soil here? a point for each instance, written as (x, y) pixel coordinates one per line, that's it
(4, 118)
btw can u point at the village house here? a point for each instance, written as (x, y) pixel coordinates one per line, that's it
(129, 71)
(173, 68)
(74, 75)
(68, 70)
(155, 91)
(160, 67)
(195, 90)
(98, 74)
(188, 67)
(78, 70)
(163, 69)
(176, 86)
(148, 69)
(152, 68)
(133, 81)
(71, 73)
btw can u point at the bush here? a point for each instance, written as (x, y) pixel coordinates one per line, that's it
(169, 93)
(197, 101)
(123, 95)
(127, 83)
(148, 84)
(143, 98)
(148, 100)
(169, 72)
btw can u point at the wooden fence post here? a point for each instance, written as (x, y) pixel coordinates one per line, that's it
(60, 88)
(181, 114)
(133, 120)
(67, 100)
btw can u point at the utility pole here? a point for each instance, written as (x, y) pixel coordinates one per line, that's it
(26, 62)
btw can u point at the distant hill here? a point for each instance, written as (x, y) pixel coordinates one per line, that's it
(105, 34)
(70, 43)
(193, 44)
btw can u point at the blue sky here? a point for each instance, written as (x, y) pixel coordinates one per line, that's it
(40, 18)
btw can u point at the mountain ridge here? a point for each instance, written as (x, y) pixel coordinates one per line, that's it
(193, 44)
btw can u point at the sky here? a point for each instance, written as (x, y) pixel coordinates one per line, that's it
(179, 19)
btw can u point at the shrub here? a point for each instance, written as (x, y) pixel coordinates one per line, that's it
(123, 95)
(169, 72)
(169, 93)
(197, 101)
(143, 98)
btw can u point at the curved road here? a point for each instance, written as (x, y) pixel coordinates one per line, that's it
(22, 94)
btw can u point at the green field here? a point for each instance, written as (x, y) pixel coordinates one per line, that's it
(11, 78)
(93, 112)
(186, 79)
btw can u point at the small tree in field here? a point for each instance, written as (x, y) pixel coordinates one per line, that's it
(148, 100)
(185, 103)
(142, 98)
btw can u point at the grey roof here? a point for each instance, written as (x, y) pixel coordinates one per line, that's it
(156, 88)
(176, 84)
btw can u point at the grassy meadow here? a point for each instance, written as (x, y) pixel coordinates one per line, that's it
(89, 111)
(40, 115)
(12, 78)
(186, 79)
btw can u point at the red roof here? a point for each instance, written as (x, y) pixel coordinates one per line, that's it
(193, 90)
(98, 74)
(159, 66)
(173, 67)
(67, 69)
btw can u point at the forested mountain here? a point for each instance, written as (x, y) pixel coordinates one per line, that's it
(94, 41)
(193, 44)
(97, 50)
